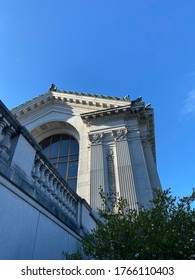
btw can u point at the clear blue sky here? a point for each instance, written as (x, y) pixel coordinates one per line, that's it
(111, 47)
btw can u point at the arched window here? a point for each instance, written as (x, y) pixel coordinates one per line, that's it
(63, 152)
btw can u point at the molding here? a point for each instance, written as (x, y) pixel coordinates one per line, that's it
(54, 127)
(110, 112)
(88, 101)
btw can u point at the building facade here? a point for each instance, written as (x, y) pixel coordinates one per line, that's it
(41, 216)
(95, 140)
(56, 151)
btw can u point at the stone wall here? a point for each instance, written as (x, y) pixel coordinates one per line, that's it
(28, 231)
(40, 215)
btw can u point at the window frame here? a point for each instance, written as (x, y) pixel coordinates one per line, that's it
(62, 158)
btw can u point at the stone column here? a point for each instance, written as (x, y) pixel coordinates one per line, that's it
(96, 170)
(151, 166)
(125, 171)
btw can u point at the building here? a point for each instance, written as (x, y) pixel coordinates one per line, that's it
(92, 140)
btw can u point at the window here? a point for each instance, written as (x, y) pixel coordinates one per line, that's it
(63, 152)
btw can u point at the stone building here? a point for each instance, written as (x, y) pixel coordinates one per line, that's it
(84, 141)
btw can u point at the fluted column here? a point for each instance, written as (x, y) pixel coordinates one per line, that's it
(96, 170)
(125, 171)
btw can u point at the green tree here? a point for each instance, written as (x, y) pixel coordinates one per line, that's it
(164, 231)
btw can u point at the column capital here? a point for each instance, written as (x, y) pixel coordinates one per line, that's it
(96, 138)
(120, 134)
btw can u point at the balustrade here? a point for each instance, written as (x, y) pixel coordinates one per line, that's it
(55, 188)
(46, 179)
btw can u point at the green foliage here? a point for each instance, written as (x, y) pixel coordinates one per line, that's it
(164, 231)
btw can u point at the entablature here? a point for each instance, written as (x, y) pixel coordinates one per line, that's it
(143, 114)
(89, 102)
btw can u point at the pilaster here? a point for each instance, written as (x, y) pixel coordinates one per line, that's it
(141, 176)
(96, 170)
(151, 166)
(125, 170)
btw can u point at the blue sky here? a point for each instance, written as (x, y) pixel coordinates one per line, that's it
(110, 47)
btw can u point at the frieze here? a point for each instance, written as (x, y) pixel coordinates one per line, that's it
(102, 118)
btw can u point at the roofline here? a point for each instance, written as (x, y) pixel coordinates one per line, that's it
(74, 95)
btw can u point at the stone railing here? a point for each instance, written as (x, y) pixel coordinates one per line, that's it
(48, 181)
(21, 158)
(10, 128)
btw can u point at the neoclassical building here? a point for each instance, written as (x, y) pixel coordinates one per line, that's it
(56, 151)
(96, 140)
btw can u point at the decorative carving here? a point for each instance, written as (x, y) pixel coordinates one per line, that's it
(111, 173)
(96, 138)
(120, 134)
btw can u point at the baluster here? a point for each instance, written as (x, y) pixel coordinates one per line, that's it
(65, 204)
(41, 179)
(50, 183)
(47, 183)
(6, 143)
(54, 189)
(74, 204)
(74, 208)
(59, 199)
(71, 206)
(36, 169)
(62, 197)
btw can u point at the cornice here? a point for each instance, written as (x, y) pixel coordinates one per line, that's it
(126, 112)
(88, 101)
(99, 108)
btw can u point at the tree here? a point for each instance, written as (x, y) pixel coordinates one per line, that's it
(164, 231)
